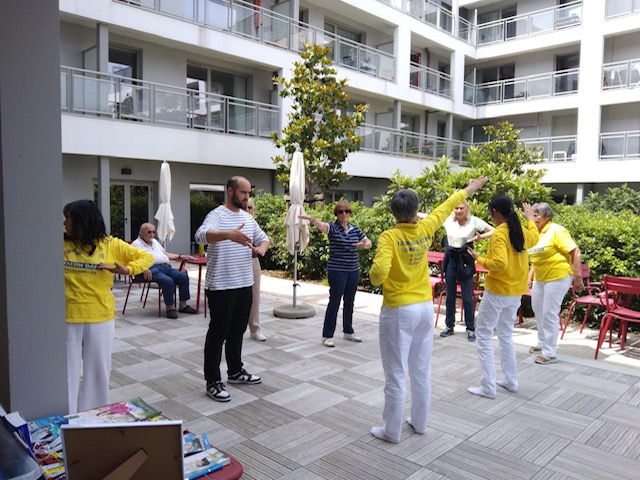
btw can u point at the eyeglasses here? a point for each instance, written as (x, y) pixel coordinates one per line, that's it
(340, 212)
(151, 231)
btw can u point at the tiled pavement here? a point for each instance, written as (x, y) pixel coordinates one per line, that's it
(310, 418)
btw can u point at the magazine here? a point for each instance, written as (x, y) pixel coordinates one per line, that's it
(205, 462)
(195, 443)
(121, 412)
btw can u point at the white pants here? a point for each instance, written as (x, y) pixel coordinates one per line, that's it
(546, 300)
(406, 341)
(496, 312)
(89, 347)
(254, 315)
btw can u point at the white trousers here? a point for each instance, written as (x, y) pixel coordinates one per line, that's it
(546, 300)
(496, 312)
(89, 347)
(406, 341)
(254, 315)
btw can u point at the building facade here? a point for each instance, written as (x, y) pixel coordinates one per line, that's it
(190, 82)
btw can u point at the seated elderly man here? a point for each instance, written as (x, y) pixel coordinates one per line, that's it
(162, 272)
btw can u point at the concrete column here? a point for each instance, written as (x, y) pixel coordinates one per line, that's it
(580, 193)
(457, 77)
(33, 356)
(402, 52)
(589, 88)
(104, 192)
(102, 47)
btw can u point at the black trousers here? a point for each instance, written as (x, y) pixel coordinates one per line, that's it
(229, 316)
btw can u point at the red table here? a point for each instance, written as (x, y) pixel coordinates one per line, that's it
(232, 471)
(201, 261)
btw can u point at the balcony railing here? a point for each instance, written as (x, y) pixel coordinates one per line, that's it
(533, 23)
(430, 80)
(409, 144)
(427, 12)
(554, 149)
(620, 145)
(621, 74)
(110, 96)
(619, 8)
(262, 25)
(524, 88)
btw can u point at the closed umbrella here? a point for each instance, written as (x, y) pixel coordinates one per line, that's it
(297, 234)
(166, 228)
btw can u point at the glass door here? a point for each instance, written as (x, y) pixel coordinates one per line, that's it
(131, 206)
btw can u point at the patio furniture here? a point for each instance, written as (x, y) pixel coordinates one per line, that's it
(476, 291)
(591, 297)
(437, 278)
(619, 295)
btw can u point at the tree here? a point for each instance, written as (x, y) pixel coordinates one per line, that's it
(319, 123)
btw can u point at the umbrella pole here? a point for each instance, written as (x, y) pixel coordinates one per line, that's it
(295, 273)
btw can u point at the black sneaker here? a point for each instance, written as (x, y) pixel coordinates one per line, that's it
(244, 377)
(471, 335)
(217, 391)
(446, 332)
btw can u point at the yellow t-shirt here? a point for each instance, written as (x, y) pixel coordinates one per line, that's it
(550, 256)
(508, 269)
(87, 288)
(401, 265)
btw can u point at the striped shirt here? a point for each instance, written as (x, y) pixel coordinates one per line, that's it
(229, 264)
(343, 256)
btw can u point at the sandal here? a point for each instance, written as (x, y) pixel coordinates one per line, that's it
(543, 359)
(535, 349)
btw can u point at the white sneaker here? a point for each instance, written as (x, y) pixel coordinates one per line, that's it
(328, 342)
(353, 337)
(258, 335)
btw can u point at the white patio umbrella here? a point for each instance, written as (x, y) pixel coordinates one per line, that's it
(297, 233)
(166, 228)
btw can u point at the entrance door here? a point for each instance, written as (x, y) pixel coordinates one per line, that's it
(131, 206)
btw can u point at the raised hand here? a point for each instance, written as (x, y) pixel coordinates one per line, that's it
(237, 236)
(476, 184)
(527, 211)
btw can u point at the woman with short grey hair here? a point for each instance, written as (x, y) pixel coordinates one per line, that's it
(555, 261)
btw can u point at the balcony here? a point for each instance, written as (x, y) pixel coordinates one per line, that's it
(554, 149)
(621, 8)
(430, 80)
(529, 24)
(427, 12)
(620, 145)
(524, 88)
(619, 75)
(401, 143)
(102, 95)
(265, 26)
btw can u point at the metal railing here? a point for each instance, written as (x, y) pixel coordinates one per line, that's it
(620, 145)
(617, 75)
(430, 80)
(620, 8)
(532, 23)
(554, 149)
(523, 88)
(402, 143)
(427, 12)
(265, 26)
(109, 96)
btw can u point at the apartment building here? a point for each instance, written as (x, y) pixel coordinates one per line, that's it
(190, 82)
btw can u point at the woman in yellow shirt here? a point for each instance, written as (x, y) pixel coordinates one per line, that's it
(555, 261)
(406, 319)
(90, 260)
(506, 282)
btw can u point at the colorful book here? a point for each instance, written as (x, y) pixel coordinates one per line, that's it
(195, 443)
(120, 412)
(200, 464)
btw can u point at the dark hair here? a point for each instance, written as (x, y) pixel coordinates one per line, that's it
(504, 205)
(87, 224)
(404, 205)
(234, 182)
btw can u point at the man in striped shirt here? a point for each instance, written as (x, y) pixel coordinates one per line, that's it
(232, 236)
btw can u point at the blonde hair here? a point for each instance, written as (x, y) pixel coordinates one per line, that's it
(341, 205)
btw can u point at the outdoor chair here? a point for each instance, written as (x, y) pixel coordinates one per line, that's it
(437, 277)
(619, 295)
(476, 292)
(144, 294)
(590, 296)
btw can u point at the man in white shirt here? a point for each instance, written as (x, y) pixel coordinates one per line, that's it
(163, 273)
(232, 236)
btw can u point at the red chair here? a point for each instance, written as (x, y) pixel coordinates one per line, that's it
(146, 286)
(476, 292)
(590, 297)
(618, 295)
(437, 278)
(520, 319)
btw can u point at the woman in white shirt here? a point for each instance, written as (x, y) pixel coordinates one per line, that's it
(459, 267)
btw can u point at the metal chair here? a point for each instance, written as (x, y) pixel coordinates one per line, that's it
(146, 286)
(437, 278)
(476, 291)
(591, 297)
(619, 293)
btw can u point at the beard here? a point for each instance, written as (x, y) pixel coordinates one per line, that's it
(238, 203)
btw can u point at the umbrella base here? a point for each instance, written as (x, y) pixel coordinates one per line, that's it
(299, 311)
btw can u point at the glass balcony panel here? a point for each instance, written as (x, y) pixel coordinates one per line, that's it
(387, 67)
(619, 7)
(347, 54)
(633, 145)
(243, 20)
(518, 27)
(539, 87)
(614, 76)
(302, 34)
(64, 102)
(383, 139)
(612, 146)
(568, 15)
(490, 93)
(94, 95)
(444, 87)
(217, 14)
(268, 121)
(241, 118)
(178, 8)
(138, 108)
(634, 73)
(517, 89)
(566, 82)
(171, 107)
(275, 30)
(542, 22)
(490, 33)
(469, 91)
